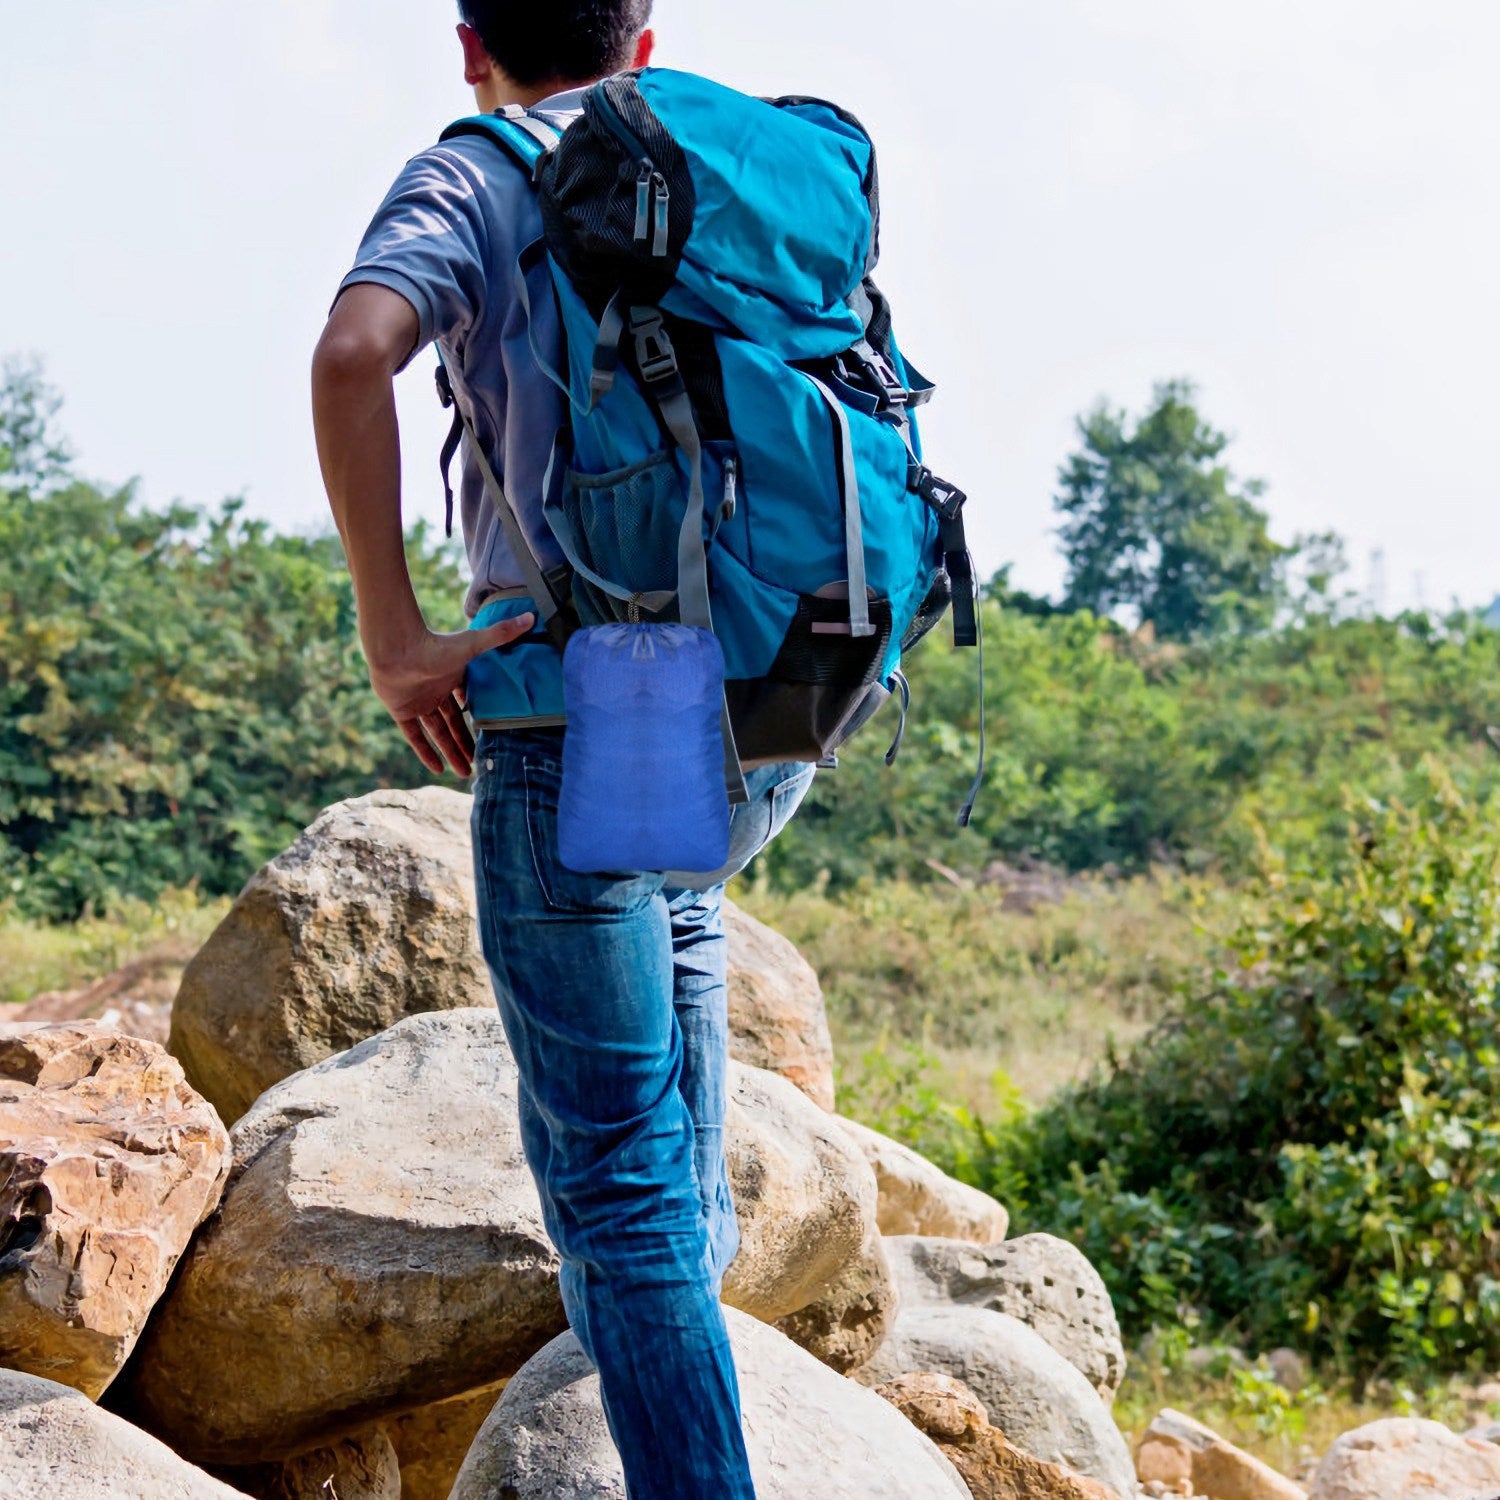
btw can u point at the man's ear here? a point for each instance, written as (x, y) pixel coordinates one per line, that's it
(478, 64)
(644, 48)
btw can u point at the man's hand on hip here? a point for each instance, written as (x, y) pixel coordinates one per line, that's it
(422, 685)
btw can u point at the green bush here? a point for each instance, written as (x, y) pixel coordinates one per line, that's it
(1308, 1150)
(180, 694)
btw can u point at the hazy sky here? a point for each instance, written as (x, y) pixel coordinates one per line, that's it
(1294, 202)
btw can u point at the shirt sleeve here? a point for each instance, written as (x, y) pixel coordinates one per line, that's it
(428, 242)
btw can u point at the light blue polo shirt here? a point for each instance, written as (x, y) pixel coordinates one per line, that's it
(447, 239)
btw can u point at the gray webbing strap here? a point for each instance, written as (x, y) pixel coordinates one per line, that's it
(692, 554)
(526, 560)
(854, 530)
(544, 134)
(531, 260)
(607, 350)
(692, 565)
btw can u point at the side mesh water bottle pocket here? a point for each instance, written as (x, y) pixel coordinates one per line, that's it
(624, 527)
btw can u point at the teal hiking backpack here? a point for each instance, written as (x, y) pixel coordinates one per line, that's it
(742, 453)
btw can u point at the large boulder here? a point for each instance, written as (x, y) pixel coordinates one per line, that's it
(380, 1247)
(108, 1163)
(917, 1197)
(805, 1200)
(992, 1467)
(368, 918)
(55, 1442)
(1178, 1451)
(1405, 1458)
(808, 1430)
(1033, 1395)
(1039, 1279)
(777, 1019)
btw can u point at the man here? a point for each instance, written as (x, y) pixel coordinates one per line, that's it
(612, 989)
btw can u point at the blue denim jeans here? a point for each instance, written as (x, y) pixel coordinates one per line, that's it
(612, 991)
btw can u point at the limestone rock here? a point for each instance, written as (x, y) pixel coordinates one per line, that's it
(809, 1431)
(55, 1442)
(805, 1200)
(1404, 1458)
(917, 1197)
(432, 1442)
(380, 1247)
(851, 1317)
(1177, 1449)
(1043, 1405)
(108, 1163)
(777, 1019)
(1045, 1282)
(955, 1419)
(360, 1467)
(366, 919)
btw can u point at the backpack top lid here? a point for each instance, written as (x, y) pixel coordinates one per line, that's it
(773, 204)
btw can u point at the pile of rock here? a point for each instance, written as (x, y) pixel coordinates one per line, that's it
(351, 1293)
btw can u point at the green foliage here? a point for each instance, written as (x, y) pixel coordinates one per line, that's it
(180, 692)
(1153, 522)
(1107, 749)
(1308, 1149)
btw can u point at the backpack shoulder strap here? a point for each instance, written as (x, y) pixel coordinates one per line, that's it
(527, 138)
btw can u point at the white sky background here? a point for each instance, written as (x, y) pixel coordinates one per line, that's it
(1294, 202)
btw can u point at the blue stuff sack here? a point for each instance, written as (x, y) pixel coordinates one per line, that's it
(643, 758)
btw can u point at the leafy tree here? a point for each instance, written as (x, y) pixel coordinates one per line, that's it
(32, 456)
(1153, 522)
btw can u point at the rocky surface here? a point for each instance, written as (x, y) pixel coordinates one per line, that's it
(1033, 1395)
(55, 1444)
(1045, 1282)
(777, 1019)
(360, 1467)
(108, 1163)
(1182, 1453)
(917, 1197)
(136, 999)
(805, 1200)
(809, 1431)
(380, 1247)
(992, 1467)
(432, 1442)
(1404, 1458)
(366, 919)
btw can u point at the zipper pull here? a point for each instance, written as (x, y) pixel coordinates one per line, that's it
(643, 185)
(731, 488)
(663, 220)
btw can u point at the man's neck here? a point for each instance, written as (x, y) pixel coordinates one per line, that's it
(495, 93)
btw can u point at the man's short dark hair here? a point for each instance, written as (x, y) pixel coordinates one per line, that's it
(545, 41)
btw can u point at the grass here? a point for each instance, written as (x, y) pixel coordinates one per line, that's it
(37, 958)
(1290, 1429)
(1009, 1003)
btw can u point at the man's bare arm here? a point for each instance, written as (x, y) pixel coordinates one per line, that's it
(417, 673)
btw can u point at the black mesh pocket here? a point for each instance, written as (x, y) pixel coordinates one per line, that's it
(590, 194)
(820, 678)
(933, 607)
(626, 526)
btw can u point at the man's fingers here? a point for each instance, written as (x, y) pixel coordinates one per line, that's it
(436, 728)
(412, 729)
(454, 714)
(477, 642)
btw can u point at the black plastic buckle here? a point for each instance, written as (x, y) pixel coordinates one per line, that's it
(946, 499)
(444, 387)
(884, 374)
(655, 357)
